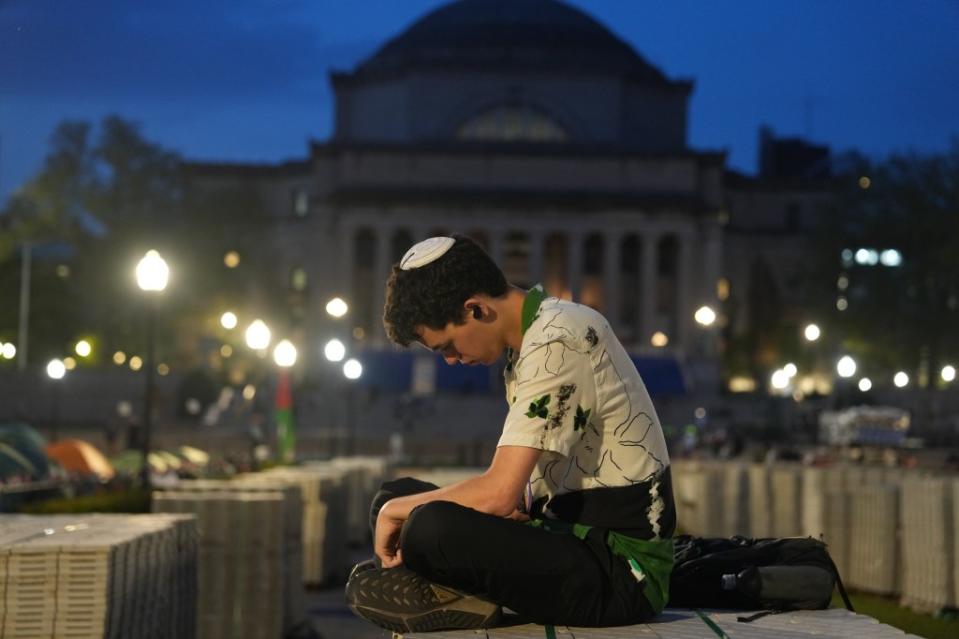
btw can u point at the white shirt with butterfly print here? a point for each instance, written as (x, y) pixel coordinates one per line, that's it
(575, 394)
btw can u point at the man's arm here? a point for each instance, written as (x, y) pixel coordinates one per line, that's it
(497, 492)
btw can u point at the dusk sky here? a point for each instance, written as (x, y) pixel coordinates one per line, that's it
(247, 80)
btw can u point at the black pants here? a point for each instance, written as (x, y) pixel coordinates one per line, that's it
(547, 577)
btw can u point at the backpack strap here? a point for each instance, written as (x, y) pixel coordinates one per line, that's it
(842, 589)
(759, 615)
(712, 625)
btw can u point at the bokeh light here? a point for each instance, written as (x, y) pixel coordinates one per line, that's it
(705, 316)
(258, 335)
(83, 348)
(284, 354)
(336, 307)
(334, 350)
(846, 367)
(352, 369)
(56, 369)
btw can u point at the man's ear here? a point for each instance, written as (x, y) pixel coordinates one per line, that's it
(475, 307)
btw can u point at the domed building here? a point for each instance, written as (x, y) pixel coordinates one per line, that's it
(531, 127)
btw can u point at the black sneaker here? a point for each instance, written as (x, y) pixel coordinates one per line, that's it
(400, 600)
(363, 566)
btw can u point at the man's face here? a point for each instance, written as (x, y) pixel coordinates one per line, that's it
(474, 342)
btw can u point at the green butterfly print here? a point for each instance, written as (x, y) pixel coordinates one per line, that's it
(538, 408)
(581, 418)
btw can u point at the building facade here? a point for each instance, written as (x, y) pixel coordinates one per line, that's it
(529, 126)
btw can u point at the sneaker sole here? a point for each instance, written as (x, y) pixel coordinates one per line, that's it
(401, 601)
(442, 619)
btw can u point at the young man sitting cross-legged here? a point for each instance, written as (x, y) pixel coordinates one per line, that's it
(573, 521)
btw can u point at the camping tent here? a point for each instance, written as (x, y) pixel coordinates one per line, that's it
(78, 456)
(28, 443)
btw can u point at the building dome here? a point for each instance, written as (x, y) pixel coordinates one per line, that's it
(534, 35)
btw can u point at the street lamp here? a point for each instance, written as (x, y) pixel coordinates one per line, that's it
(228, 320)
(258, 335)
(152, 275)
(83, 348)
(284, 354)
(334, 350)
(55, 371)
(705, 316)
(846, 367)
(336, 307)
(901, 379)
(352, 370)
(812, 333)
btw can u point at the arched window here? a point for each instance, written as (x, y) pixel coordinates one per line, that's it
(557, 266)
(512, 124)
(516, 255)
(629, 281)
(592, 293)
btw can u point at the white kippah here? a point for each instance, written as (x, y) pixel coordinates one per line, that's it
(422, 253)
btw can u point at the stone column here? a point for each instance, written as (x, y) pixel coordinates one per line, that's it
(574, 265)
(684, 291)
(344, 284)
(380, 269)
(712, 262)
(536, 263)
(711, 272)
(648, 277)
(612, 288)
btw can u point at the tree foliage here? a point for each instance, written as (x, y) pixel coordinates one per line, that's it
(104, 196)
(897, 316)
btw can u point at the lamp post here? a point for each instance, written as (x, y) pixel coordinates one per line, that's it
(258, 335)
(55, 371)
(352, 370)
(705, 316)
(152, 275)
(334, 351)
(284, 354)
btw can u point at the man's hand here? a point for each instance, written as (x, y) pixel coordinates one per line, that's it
(386, 540)
(518, 515)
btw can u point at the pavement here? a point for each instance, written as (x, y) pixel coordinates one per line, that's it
(333, 620)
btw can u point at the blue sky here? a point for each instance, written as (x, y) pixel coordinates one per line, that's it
(247, 80)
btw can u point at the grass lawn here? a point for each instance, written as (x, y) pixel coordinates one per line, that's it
(888, 611)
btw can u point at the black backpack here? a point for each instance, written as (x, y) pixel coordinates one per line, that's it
(793, 573)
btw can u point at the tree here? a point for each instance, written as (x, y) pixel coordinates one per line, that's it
(898, 316)
(48, 213)
(107, 196)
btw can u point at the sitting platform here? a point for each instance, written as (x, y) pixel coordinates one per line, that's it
(678, 623)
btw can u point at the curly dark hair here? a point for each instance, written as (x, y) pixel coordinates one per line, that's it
(433, 295)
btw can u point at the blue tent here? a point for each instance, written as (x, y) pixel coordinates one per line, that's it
(29, 444)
